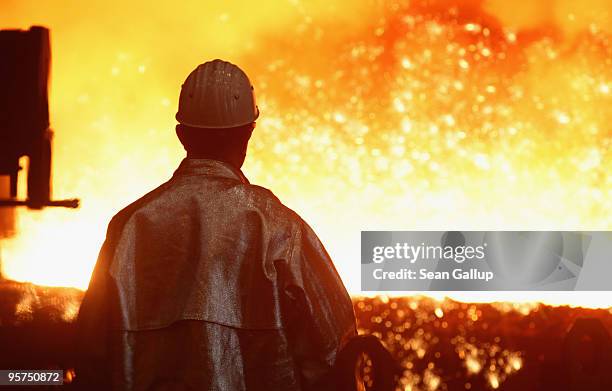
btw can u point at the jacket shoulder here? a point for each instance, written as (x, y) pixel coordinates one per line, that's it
(121, 217)
(266, 201)
(250, 197)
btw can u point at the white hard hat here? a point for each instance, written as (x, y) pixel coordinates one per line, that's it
(217, 94)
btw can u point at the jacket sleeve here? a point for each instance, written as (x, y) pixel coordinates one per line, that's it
(92, 333)
(318, 310)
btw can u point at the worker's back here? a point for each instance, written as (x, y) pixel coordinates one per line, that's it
(210, 283)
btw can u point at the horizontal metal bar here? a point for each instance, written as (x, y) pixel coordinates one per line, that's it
(71, 203)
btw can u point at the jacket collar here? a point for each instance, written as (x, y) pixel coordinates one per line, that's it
(210, 168)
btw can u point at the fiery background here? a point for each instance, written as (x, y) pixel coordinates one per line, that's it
(440, 114)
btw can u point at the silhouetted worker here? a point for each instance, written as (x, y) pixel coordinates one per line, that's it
(209, 282)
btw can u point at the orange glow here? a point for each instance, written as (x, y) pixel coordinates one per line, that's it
(378, 115)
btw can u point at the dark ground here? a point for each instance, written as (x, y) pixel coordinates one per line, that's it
(441, 345)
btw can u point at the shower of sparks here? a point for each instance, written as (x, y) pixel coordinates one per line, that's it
(425, 115)
(434, 119)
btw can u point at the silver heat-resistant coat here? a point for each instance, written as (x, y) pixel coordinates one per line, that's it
(210, 283)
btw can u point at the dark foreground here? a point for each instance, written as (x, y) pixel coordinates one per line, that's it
(441, 345)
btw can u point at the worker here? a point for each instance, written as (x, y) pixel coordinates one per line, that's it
(209, 282)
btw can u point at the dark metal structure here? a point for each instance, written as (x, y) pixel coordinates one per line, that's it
(24, 115)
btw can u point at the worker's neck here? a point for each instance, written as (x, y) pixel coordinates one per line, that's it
(234, 161)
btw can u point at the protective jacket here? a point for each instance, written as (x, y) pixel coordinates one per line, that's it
(210, 283)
